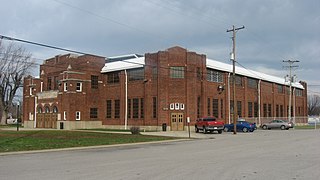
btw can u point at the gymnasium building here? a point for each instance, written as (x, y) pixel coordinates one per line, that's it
(151, 91)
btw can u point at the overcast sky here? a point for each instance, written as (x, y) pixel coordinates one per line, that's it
(275, 30)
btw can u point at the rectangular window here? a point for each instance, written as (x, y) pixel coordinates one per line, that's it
(265, 110)
(135, 108)
(49, 83)
(238, 80)
(209, 107)
(277, 110)
(176, 72)
(252, 83)
(198, 73)
(117, 108)
(109, 108)
(78, 115)
(221, 108)
(154, 73)
(239, 108)
(199, 107)
(136, 74)
(65, 115)
(269, 110)
(65, 86)
(280, 89)
(154, 107)
(298, 92)
(141, 108)
(79, 87)
(94, 82)
(281, 111)
(56, 82)
(214, 76)
(256, 109)
(113, 77)
(93, 112)
(129, 108)
(215, 107)
(231, 107)
(250, 109)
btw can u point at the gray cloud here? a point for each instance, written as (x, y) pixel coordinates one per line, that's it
(275, 30)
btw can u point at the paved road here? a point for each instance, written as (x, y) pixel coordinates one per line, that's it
(275, 154)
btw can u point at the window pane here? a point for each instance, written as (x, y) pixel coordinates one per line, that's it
(93, 112)
(214, 76)
(215, 109)
(109, 109)
(136, 74)
(177, 72)
(94, 82)
(117, 108)
(113, 77)
(154, 112)
(135, 108)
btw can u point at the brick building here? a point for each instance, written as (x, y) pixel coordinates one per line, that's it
(151, 90)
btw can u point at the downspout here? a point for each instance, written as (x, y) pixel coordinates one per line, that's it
(126, 101)
(229, 115)
(259, 102)
(294, 105)
(35, 111)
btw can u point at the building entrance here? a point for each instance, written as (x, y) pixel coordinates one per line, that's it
(177, 121)
(47, 120)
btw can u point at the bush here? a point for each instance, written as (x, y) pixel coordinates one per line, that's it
(135, 130)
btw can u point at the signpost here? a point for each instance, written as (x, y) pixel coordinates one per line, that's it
(188, 121)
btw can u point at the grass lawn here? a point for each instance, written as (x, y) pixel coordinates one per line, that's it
(51, 139)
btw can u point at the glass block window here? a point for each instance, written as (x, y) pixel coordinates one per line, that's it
(214, 76)
(176, 72)
(136, 74)
(113, 77)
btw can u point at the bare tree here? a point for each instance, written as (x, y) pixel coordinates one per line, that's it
(15, 64)
(313, 105)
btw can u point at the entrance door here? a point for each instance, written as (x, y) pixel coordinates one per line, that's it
(177, 121)
(47, 120)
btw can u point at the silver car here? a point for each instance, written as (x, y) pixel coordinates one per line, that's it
(277, 124)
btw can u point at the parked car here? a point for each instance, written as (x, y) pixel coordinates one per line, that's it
(277, 124)
(253, 124)
(209, 124)
(241, 125)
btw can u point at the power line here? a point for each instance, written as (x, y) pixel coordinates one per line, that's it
(43, 45)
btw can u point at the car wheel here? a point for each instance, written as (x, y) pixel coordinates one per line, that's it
(226, 129)
(245, 129)
(220, 131)
(196, 129)
(204, 130)
(264, 127)
(283, 127)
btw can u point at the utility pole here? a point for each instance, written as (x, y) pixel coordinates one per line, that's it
(233, 59)
(290, 66)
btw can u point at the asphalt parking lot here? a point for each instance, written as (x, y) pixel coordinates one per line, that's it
(272, 154)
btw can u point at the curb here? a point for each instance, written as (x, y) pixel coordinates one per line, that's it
(90, 147)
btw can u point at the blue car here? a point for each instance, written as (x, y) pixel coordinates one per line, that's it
(243, 126)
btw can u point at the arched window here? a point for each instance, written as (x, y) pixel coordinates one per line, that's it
(39, 110)
(47, 109)
(55, 109)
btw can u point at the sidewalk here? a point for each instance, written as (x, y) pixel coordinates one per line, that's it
(180, 134)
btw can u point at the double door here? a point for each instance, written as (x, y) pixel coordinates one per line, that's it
(177, 121)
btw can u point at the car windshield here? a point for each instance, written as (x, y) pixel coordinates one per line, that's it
(209, 119)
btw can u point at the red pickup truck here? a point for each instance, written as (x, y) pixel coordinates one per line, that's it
(209, 124)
